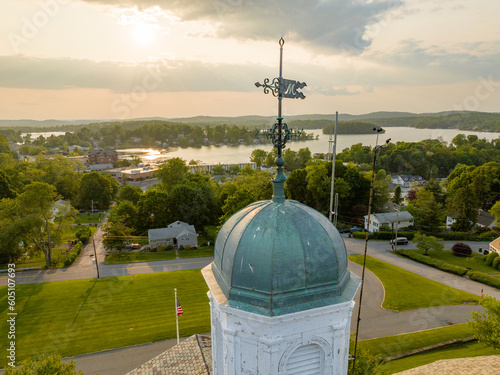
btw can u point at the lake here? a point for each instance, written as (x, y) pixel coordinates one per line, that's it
(241, 153)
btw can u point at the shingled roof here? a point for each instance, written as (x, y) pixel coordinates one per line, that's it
(486, 365)
(192, 356)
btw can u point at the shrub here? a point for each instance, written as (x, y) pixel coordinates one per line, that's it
(443, 266)
(154, 249)
(187, 247)
(495, 263)
(461, 249)
(181, 247)
(490, 257)
(484, 278)
(84, 234)
(73, 254)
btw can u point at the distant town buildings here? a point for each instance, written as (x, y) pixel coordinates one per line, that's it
(101, 156)
(484, 220)
(135, 174)
(407, 180)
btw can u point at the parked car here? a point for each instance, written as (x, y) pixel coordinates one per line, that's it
(345, 230)
(135, 246)
(356, 229)
(400, 241)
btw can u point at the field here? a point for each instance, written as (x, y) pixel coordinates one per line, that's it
(392, 345)
(403, 289)
(82, 316)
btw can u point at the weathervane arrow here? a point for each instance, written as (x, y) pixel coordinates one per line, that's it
(279, 134)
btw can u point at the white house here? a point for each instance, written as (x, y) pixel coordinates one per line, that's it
(403, 218)
(495, 245)
(484, 220)
(176, 234)
(407, 180)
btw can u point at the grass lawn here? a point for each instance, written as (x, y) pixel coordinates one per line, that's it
(88, 217)
(138, 256)
(405, 290)
(398, 344)
(470, 349)
(202, 251)
(38, 260)
(82, 316)
(474, 263)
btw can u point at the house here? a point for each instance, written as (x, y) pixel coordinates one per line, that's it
(403, 219)
(59, 208)
(484, 220)
(176, 234)
(407, 180)
(495, 245)
(102, 156)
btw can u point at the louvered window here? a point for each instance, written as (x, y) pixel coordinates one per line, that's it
(305, 360)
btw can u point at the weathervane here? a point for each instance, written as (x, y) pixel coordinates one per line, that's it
(279, 134)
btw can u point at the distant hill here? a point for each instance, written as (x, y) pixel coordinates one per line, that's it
(463, 120)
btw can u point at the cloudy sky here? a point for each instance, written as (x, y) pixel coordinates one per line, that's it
(91, 59)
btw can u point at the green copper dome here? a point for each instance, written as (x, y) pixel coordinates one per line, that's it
(280, 256)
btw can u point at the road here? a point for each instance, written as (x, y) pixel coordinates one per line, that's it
(375, 321)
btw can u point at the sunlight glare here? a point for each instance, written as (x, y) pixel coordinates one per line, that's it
(144, 34)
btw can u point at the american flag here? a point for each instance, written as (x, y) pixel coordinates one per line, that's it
(179, 308)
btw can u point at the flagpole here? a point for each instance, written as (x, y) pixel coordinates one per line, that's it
(176, 315)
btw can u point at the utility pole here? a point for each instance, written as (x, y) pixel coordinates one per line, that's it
(330, 216)
(375, 152)
(95, 258)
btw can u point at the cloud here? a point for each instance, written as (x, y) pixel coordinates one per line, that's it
(327, 26)
(162, 75)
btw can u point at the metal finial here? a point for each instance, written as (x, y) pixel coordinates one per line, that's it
(279, 134)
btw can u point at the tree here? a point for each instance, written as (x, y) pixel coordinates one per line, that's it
(125, 211)
(44, 365)
(366, 363)
(97, 187)
(34, 214)
(426, 243)
(84, 234)
(486, 325)
(7, 189)
(193, 201)
(116, 234)
(258, 156)
(397, 195)
(10, 237)
(171, 173)
(427, 212)
(130, 193)
(495, 211)
(153, 210)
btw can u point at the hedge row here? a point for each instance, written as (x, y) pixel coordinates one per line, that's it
(439, 264)
(73, 254)
(484, 278)
(446, 236)
(491, 257)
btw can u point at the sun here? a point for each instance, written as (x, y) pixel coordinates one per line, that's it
(144, 34)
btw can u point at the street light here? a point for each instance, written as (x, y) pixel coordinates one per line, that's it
(375, 152)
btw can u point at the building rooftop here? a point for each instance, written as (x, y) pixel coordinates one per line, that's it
(389, 217)
(274, 258)
(192, 356)
(486, 365)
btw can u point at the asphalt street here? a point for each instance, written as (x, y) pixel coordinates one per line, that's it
(375, 321)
